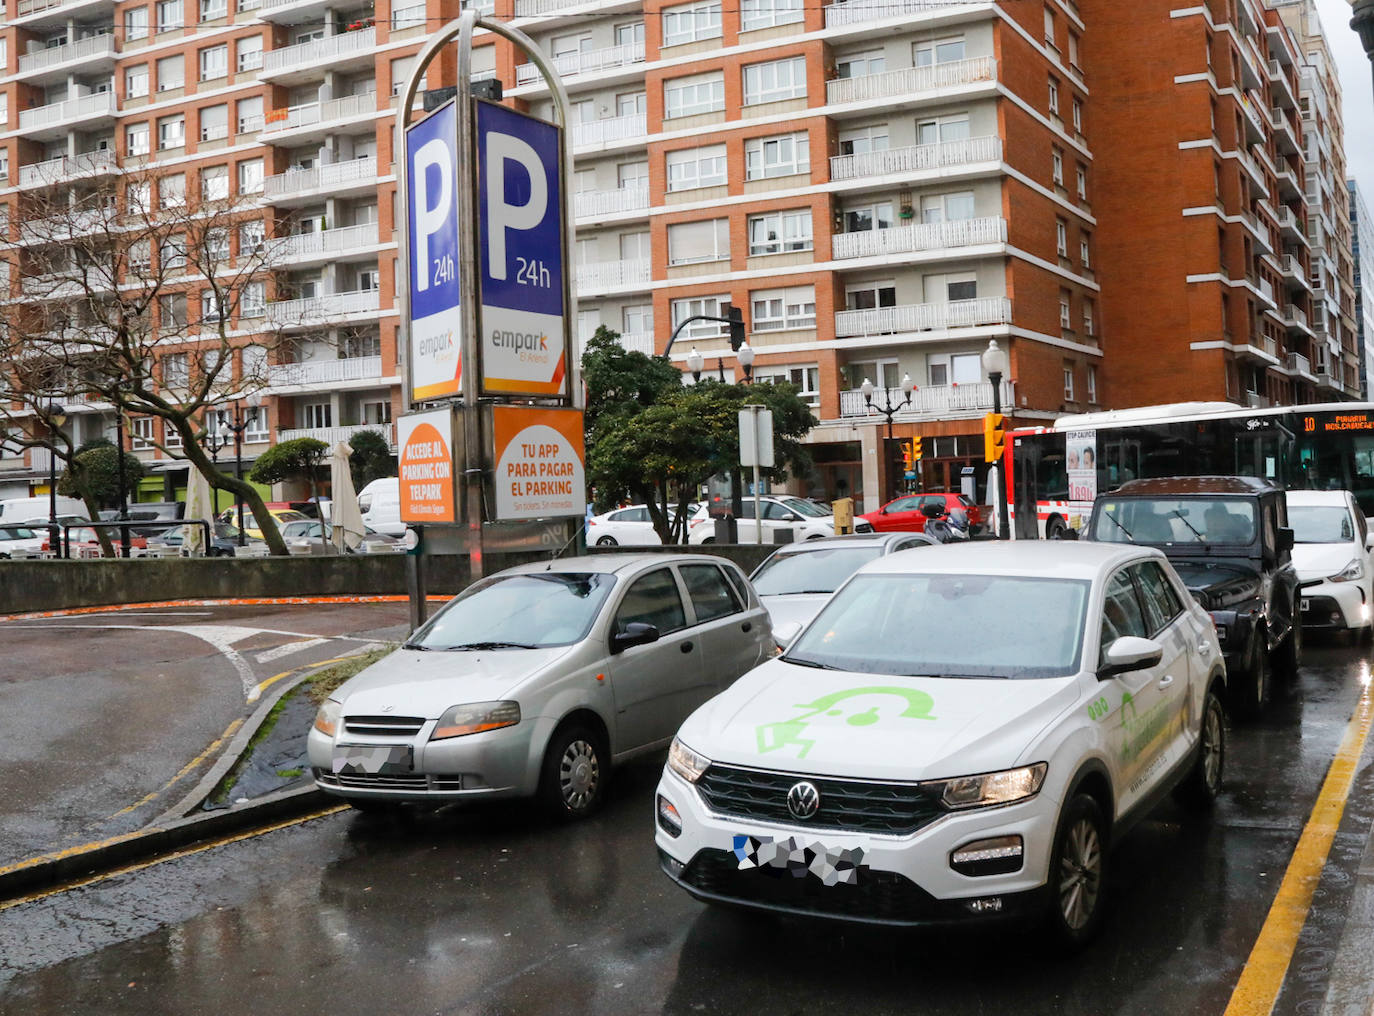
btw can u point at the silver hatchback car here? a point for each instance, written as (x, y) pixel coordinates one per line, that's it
(536, 680)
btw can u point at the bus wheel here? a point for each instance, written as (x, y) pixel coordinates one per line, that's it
(1055, 528)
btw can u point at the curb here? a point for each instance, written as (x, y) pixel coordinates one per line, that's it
(175, 828)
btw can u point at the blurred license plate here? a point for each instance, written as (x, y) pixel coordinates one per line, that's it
(373, 759)
(1306, 605)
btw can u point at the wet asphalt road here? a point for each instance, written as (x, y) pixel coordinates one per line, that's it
(493, 911)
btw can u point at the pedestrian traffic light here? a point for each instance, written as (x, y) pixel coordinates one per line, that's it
(906, 456)
(994, 436)
(736, 316)
(916, 448)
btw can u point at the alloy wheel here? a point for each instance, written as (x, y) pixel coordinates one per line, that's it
(1080, 874)
(1212, 748)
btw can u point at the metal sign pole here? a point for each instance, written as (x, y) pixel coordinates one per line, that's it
(467, 212)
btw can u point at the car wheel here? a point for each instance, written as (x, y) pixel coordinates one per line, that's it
(573, 781)
(1078, 869)
(1254, 684)
(1055, 528)
(608, 541)
(1290, 653)
(709, 539)
(1203, 782)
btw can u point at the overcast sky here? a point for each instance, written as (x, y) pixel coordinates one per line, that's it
(1357, 93)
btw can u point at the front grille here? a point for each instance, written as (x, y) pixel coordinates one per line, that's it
(848, 805)
(404, 726)
(415, 783)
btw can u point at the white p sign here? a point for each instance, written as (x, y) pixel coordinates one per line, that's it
(433, 205)
(501, 215)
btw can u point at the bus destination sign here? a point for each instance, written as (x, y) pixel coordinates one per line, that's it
(1337, 422)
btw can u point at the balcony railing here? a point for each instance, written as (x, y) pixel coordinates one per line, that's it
(1299, 363)
(911, 79)
(97, 104)
(82, 49)
(318, 112)
(40, 173)
(916, 158)
(875, 10)
(544, 8)
(326, 241)
(588, 62)
(315, 372)
(614, 128)
(320, 51)
(333, 435)
(319, 310)
(919, 237)
(923, 317)
(600, 276)
(607, 202)
(930, 401)
(331, 174)
(1294, 316)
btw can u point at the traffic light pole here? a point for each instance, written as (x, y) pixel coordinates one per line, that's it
(735, 320)
(999, 464)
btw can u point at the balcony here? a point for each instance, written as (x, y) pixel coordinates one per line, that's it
(908, 80)
(56, 118)
(1327, 379)
(556, 8)
(588, 62)
(1266, 292)
(320, 310)
(293, 118)
(634, 342)
(1254, 123)
(1290, 228)
(920, 237)
(923, 317)
(318, 246)
(1289, 187)
(68, 167)
(1294, 319)
(95, 48)
(589, 204)
(321, 54)
(1284, 133)
(324, 372)
(858, 11)
(933, 401)
(335, 177)
(293, 12)
(333, 435)
(604, 276)
(42, 13)
(609, 131)
(1280, 87)
(1298, 364)
(916, 159)
(1293, 273)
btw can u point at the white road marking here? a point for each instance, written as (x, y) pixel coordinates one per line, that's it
(268, 655)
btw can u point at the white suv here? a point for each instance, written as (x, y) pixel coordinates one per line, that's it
(960, 734)
(806, 519)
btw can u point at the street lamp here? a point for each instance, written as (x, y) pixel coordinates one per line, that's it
(123, 484)
(887, 408)
(746, 360)
(241, 421)
(56, 416)
(214, 441)
(995, 365)
(695, 363)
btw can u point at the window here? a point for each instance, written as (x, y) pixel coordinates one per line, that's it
(140, 256)
(257, 430)
(570, 47)
(637, 319)
(253, 302)
(214, 183)
(942, 128)
(171, 132)
(253, 365)
(927, 54)
(1084, 254)
(1049, 27)
(859, 65)
(784, 155)
(250, 176)
(400, 74)
(1081, 175)
(711, 596)
(864, 140)
(250, 114)
(1078, 115)
(775, 81)
(249, 54)
(171, 191)
(777, 309)
(780, 232)
(1065, 320)
(171, 73)
(868, 217)
(172, 253)
(210, 10)
(376, 412)
(1054, 95)
(1121, 613)
(870, 295)
(947, 207)
(632, 104)
(631, 175)
(141, 433)
(883, 373)
(1068, 382)
(1092, 382)
(950, 288)
(318, 415)
(136, 81)
(1073, 51)
(1061, 234)
(959, 369)
(214, 123)
(211, 311)
(690, 96)
(1088, 317)
(136, 139)
(635, 246)
(807, 380)
(171, 313)
(630, 35)
(692, 243)
(169, 15)
(214, 62)
(652, 599)
(693, 306)
(696, 167)
(1057, 166)
(768, 13)
(691, 23)
(136, 24)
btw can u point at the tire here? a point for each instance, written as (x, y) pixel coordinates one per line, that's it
(1055, 528)
(1290, 653)
(572, 784)
(1078, 870)
(1200, 787)
(608, 541)
(709, 539)
(1255, 684)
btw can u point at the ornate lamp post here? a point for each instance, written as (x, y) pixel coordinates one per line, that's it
(995, 364)
(54, 416)
(241, 420)
(887, 408)
(214, 441)
(695, 363)
(746, 361)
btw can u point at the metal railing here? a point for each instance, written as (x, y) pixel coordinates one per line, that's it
(911, 79)
(53, 170)
(921, 317)
(311, 113)
(587, 62)
(325, 241)
(333, 435)
(858, 11)
(314, 372)
(331, 174)
(82, 49)
(1299, 363)
(603, 275)
(319, 309)
(935, 399)
(916, 158)
(608, 202)
(97, 104)
(613, 128)
(920, 236)
(320, 51)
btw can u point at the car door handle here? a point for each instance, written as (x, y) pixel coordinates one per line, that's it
(686, 647)
(1166, 680)
(1204, 647)
(747, 626)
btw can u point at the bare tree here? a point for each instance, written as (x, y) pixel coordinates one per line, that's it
(148, 292)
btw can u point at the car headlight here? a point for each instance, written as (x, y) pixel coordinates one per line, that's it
(989, 789)
(1354, 570)
(474, 718)
(685, 762)
(327, 718)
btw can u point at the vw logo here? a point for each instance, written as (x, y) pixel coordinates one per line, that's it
(803, 800)
(388, 709)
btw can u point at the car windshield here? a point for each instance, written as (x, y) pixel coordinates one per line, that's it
(16, 533)
(529, 611)
(1175, 520)
(1317, 523)
(822, 570)
(806, 508)
(949, 626)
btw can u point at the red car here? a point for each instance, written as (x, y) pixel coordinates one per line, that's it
(904, 513)
(84, 543)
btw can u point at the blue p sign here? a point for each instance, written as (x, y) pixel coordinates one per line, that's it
(436, 323)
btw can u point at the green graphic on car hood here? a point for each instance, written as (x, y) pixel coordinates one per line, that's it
(789, 733)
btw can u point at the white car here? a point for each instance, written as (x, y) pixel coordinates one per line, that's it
(961, 734)
(1332, 549)
(21, 542)
(806, 519)
(628, 527)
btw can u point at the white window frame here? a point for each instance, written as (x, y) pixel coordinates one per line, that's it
(1065, 309)
(691, 306)
(135, 24)
(136, 81)
(171, 132)
(1061, 234)
(877, 371)
(212, 10)
(1077, 116)
(863, 140)
(1049, 26)
(171, 190)
(806, 378)
(694, 95)
(1088, 327)
(719, 230)
(253, 301)
(1068, 382)
(1057, 166)
(691, 168)
(875, 290)
(1084, 250)
(877, 212)
(953, 127)
(777, 155)
(318, 415)
(756, 14)
(775, 81)
(928, 54)
(214, 183)
(1054, 95)
(168, 82)
(140, 433)
(250, 175)
(176, 371)
(1092, 382)
(1082, 177)
(931, 204)
(137, 139)
(694, 22)
(176, 11)
(775, 310)
(868, 61)
(248, 122)
(212, 131)
(781, 232)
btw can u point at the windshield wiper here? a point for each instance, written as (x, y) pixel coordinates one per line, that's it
(1118, 525)
(488, 645)
(1178, 514)
(417, 647)
(813, 664)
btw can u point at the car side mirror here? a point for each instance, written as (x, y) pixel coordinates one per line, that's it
(1369, 540)
(1128, 653)
(883, 510)
(636, 633)
(1284, 540)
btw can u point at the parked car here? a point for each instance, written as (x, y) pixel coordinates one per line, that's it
(798, 578)
(806, 520)
(277, 510)
(380, 503)
(307, 536)
(630, 526)
(224, 544)
(17, 510)
(1331, 551)
(899, 766)
(1228, 539)
(82, 542)
(906, 514)
(19, 542)
(143, 515)
(535, 681)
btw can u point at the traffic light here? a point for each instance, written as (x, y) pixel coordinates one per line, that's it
(994, 436)
(906, 456)
(916, 449)
(736, 316)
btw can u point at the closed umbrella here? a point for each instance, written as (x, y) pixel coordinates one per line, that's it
(345, 515)
(198, 506)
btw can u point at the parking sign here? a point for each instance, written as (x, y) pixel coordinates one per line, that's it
(436, 323)
(520, 232)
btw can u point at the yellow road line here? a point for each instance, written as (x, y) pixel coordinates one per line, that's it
(187, 768)
(256, 693)
(1267, 965)
(184, 852)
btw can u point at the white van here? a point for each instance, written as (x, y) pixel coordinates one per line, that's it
(380, 503)
(25, 509)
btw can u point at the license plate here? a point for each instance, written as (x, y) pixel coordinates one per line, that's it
(800, 858)
(1306, 605)
(373, 759)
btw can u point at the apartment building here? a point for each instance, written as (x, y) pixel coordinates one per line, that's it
(1362, 255)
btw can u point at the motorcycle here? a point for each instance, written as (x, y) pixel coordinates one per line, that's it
(944, 526)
